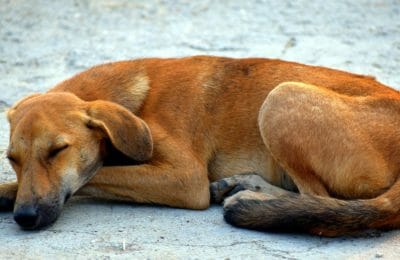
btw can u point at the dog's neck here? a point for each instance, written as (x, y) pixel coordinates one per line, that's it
(128, 86)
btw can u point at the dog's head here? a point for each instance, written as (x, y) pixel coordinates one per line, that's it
(58, 142)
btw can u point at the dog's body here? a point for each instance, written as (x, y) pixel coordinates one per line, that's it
(165, 128)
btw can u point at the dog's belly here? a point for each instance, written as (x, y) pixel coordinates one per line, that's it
(260, 162)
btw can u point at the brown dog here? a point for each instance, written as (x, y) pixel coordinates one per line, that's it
(159, 130)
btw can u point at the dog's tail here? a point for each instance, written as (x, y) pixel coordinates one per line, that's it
(317, 215)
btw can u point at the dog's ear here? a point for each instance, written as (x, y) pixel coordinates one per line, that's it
(127, 132)
(11, 111)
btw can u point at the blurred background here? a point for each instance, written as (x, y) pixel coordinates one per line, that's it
(43, 42)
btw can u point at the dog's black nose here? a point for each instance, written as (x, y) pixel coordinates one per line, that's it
(26, 216)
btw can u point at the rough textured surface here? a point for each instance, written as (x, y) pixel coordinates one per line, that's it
(43, 42)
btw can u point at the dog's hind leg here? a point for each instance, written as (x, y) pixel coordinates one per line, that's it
(312, 133)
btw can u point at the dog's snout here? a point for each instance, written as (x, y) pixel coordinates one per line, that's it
(27, 216)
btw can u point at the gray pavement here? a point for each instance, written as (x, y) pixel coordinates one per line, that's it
(43, 42)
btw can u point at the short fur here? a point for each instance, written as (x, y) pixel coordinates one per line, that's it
(159, 130)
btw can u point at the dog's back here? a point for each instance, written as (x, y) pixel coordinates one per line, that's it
(211, 103)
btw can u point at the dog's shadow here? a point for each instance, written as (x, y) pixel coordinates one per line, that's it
(84, 214)
(112, 208)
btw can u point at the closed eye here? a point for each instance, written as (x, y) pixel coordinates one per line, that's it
(55, 151)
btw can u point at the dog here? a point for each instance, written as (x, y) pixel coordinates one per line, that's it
(286, 146)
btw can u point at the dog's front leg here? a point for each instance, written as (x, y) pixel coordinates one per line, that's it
(184, 186)
(8, 193)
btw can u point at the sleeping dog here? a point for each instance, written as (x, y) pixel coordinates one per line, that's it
(291, 147)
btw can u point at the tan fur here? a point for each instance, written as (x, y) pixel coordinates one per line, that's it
(323, 123)
(138, 91)
(246, 195)
(183, 122)
(14, 107)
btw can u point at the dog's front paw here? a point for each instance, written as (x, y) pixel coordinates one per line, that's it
(8, 193)
(229, 186)
(6, 204)
(246, 195)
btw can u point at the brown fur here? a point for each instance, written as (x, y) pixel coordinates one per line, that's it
(177, 124)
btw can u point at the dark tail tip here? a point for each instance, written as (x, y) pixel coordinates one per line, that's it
(260, 215)
(302, 213)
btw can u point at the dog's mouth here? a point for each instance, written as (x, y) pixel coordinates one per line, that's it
(27, 217)
(67, 197)
(30, 218)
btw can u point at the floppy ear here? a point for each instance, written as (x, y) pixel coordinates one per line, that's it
(127, 132)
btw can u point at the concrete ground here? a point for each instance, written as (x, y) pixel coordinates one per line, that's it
(43, 42)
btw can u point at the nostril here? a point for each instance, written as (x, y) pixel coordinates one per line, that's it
(26, 216)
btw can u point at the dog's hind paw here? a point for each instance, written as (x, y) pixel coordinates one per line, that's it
(246, 195)
(229, 186)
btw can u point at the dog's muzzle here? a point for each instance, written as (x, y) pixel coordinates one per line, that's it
(37, 215)
(27, 216)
